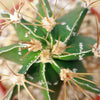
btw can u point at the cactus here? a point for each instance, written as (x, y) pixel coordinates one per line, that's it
(49, 50)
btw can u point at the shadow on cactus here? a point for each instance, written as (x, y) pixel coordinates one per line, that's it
(51, 42)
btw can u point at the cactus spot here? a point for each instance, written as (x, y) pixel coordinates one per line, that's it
(45, 56)
(48, 23)
(59, 48)
(68, 28)
(64, 74)
(81, 49)
(34, 45)
(63, 23)
(19, 53)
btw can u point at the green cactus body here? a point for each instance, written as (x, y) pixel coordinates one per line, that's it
(50, 45)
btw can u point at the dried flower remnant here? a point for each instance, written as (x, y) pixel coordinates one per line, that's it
(14, 15)
(19, 80)
(68, 76)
